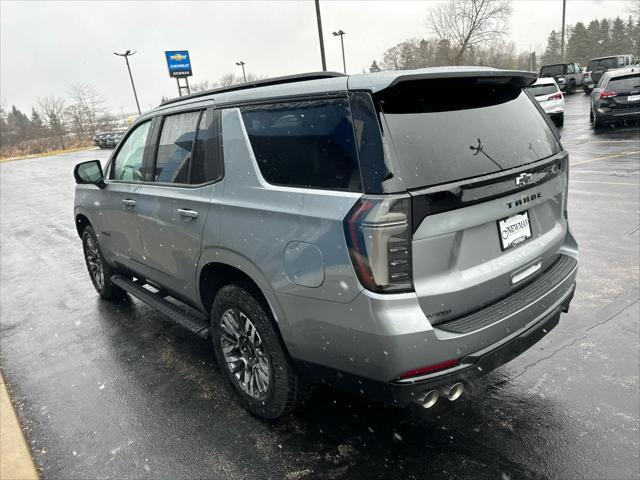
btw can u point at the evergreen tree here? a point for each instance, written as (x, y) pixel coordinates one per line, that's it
(620, 43)
(38, 128)
(633, 34)
(593, 34)
(374, 67)
(18, 124)
(578, 45)
(552, 52)
(604, 38)
(443, 53)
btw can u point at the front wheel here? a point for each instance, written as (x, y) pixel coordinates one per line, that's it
(99, 270)
(250, 354)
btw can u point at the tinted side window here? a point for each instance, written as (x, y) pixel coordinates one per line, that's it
(206, 164)
(174, 148)
(305, 144)
(127, 165)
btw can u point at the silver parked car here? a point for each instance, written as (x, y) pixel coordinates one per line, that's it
(395, 234)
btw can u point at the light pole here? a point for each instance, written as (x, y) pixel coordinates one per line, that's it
(340, 34)
(126, 56)
(564, 10)
(324, 62)
(241, 64)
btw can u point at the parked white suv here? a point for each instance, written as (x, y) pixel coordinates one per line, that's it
(550, 97)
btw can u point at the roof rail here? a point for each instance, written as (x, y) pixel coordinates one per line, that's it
(300, 77)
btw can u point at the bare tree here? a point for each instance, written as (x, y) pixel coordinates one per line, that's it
(228, 79)
(469, 23)
(91, 106)
(52, 109)
(202, 86)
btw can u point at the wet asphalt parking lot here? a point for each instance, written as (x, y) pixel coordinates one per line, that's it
(117, 391)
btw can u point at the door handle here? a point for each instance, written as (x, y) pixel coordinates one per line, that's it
(128, 202)
(187, 214)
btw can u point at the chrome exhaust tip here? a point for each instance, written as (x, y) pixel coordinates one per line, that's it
(429, 399)
(455, 391)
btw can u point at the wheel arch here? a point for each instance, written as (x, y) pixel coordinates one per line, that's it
(81, 223)
(228, 267)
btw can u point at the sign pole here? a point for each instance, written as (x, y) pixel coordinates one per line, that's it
(179, 87)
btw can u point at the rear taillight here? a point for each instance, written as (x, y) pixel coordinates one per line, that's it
(555, 96)
(378, 233)
(608, 94)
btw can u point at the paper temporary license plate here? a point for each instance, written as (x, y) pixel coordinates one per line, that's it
(514, 230)
(633, 98)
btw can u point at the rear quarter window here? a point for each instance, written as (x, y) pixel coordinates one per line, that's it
(304, 144)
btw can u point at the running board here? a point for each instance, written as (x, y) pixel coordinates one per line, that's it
(185, 316)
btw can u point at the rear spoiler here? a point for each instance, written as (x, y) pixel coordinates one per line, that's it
(516, 78)
(377, 82)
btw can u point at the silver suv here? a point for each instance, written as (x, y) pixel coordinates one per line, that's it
(395, 234)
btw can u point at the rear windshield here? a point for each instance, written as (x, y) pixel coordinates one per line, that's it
(625, 84)
(552, 70)
(451, 129)
(537, 90)
(610, 62)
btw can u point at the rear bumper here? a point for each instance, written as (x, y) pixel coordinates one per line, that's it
(620, 114)
(473, 366)
(374, 343)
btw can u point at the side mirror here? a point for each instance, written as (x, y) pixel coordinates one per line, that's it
(89, 173)
(596, 90)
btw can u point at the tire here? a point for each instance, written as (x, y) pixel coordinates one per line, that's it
(591, 116)
(560, 121)
(270, 387)
(99, 270)
(597, 124)
(572, 88)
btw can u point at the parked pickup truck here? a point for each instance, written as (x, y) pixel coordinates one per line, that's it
(568, 76)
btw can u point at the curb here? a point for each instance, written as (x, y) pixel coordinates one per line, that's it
(15, 458)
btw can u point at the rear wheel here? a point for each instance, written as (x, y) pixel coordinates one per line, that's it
(597, 123)
(99, 270)
(560, 120)
(251, 355)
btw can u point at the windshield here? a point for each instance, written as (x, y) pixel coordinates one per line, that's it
(451, 129)
(546, 89)
(552, 70)
(604, 63)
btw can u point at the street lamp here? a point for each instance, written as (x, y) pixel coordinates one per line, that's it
(126, 56)
(340, 34)
(241, 64)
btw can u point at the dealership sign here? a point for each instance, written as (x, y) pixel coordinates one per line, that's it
(179, 63)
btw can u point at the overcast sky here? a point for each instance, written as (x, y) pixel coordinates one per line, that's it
(47, 46)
